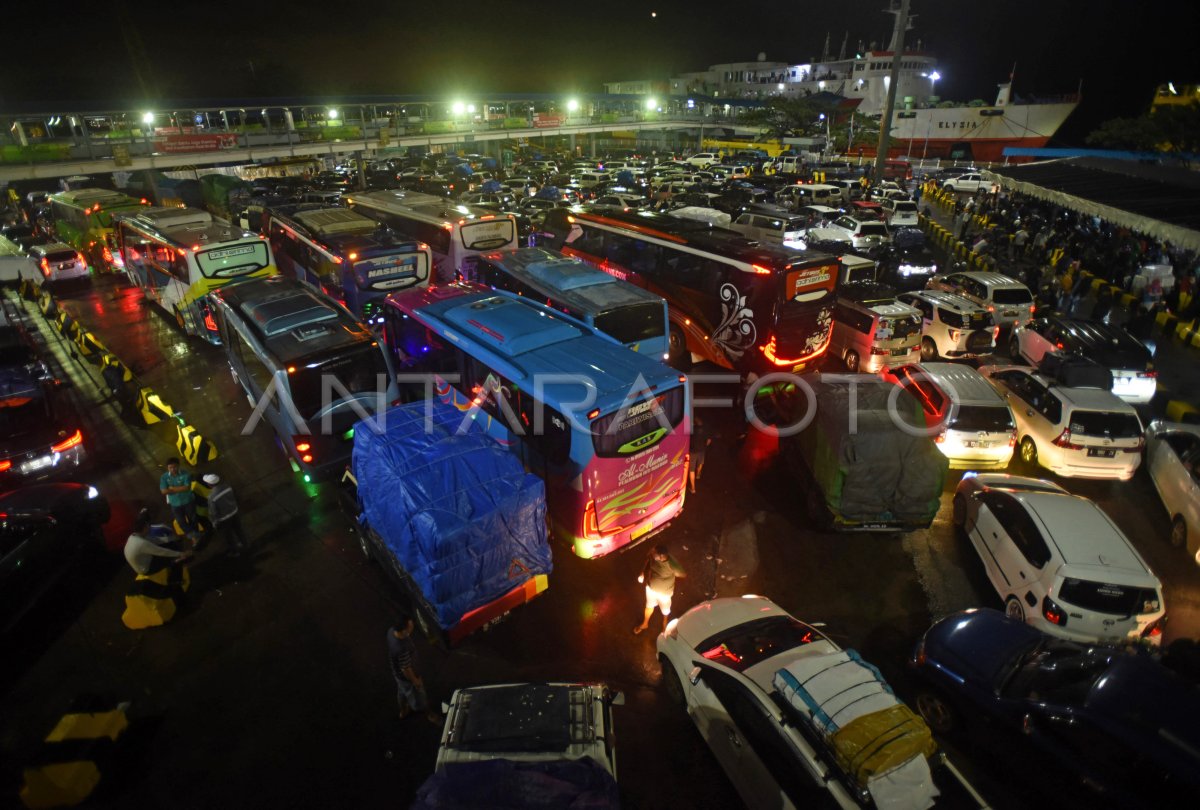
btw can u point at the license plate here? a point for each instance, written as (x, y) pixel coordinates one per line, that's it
(1095, 452)
(973, 443)
(1121, 382)
(641, 530)
(900, 352)
(36, 464)
(1009, 313)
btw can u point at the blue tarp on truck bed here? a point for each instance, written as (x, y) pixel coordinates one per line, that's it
(456, 509)
(503, 784)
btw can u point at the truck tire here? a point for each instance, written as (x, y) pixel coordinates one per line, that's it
(678, 355)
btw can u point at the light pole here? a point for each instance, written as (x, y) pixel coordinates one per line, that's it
(933, 77)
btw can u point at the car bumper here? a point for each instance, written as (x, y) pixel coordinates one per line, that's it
(1051, 629)
(1135, 391)
(1119, 468)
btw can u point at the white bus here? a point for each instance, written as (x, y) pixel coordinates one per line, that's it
(456, 233)
(179, 255)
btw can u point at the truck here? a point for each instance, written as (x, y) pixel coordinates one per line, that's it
(864, 459)
(450, 515)
(528, 746)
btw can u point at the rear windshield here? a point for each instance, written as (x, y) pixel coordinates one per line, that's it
(358, 372)
(873, 229)
(235, 260)
(983, 418)
(641, 425)
(1102, 597)
(633, 323)
(1107, 424)
(897, 328)
(970, 320)
(745, 645)
(906, 206)
(62, 256)
(1012, 295)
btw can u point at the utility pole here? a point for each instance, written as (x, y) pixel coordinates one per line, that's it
(885, 123)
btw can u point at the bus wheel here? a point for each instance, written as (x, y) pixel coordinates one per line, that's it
(852, 361)
(678, 355)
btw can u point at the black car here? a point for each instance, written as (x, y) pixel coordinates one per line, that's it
(42, 528)
(40, 433)
(1121, 721)
(1110, 346)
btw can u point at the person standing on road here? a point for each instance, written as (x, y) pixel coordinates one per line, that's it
(658, 575)
(701, 439)
(143, 554)
(402, 656)
(223, 515)
(176, 485)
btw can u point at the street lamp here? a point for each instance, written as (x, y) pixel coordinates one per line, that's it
(458, 108)
(651, 104)
(148, 118)
(573, 105)
(333, 114)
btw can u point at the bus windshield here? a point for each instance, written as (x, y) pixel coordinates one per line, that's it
(633, 323)
(488, 234)
(235, 260)
(638, 426)
(357, 371)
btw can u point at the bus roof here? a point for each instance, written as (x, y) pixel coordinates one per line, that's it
(87, 197)
(290, 319)
(339, 228)
(573, 281)
(520, 338)
(702, 236)
(185, 227)
(429, 206)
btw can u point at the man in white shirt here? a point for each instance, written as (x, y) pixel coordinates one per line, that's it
(143, 554)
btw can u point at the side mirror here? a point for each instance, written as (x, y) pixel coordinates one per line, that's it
(617, 699)
(1027, 724)
(694, 676)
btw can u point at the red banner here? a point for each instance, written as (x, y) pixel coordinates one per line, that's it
(195, 143)
(547, 121)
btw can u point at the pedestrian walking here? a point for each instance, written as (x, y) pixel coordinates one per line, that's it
(176, 485)
(144, 553)
(223, 515)
(402, 656)
(700, 441)
(659, 575)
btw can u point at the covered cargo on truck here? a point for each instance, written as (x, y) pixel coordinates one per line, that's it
(864, 458)
(451, 514)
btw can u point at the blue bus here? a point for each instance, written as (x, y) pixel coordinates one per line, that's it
(606, 428)
(349, 257)
(624, 312)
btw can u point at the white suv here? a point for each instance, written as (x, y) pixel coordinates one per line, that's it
(702, 160)
(863, 234)
(954, 326)
(1059, 563)
(899, 212)
(1009, 301)
(971, 183)
(1081, 432)
(57, 262)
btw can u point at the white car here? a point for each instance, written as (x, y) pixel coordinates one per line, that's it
(57, 262)
(900, 212)
(1080, 432)
(1009, 301)
(702, 160)
(954, 326)
(1131, 363)
(745, 670)
(625, 202)
(1173, 461)
(1059, 563)
(863, 234)
(970, 183)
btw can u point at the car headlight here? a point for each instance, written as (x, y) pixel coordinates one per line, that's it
(93, 493)
(669, 631)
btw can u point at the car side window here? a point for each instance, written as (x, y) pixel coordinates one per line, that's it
(1021, 528)
(1051, 407)
(13, 532)
(763, 733)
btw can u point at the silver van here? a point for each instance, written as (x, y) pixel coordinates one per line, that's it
(872, 330)
(978, 431)
(809, 194)
(771, 225)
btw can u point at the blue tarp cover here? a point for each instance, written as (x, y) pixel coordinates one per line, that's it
(457, 510)
(503, 784)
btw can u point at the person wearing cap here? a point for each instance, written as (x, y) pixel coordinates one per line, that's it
(223, 514)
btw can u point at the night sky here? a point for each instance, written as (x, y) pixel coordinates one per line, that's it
(130, 52)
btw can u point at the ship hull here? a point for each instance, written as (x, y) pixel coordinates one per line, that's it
(976, 133)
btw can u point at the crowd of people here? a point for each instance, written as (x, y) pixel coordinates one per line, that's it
(1045, 243)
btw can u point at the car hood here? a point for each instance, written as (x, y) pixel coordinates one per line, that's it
(1140, 692)
(977, 644)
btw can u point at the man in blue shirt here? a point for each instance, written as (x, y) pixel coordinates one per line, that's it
(176, 485)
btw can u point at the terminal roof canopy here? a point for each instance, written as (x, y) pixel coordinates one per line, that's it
(1159, 201)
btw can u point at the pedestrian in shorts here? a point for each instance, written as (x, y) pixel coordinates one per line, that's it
(659, 575)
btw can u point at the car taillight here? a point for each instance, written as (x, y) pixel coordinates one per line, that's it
(1064, 441)
(5, 465)
(919, 653)
(45, 265)
(304, 448)
(67, 444)
(210, 323)
(995, 333)
(1155, 628)
(1137, 448)
(1147, 375)
(941, 437)
(1012, 440)
(591, 528)
(954, 333)
(875, 350)
(1052, 613)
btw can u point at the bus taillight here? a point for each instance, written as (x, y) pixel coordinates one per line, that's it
(591, 528)
(304, 448)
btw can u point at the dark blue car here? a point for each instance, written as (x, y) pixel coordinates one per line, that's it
(1125, 724)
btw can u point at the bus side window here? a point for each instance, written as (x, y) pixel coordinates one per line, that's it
(618, 249)
(645, 258)
(591, 242)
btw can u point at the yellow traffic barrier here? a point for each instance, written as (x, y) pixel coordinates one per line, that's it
(152, 408)
(201, 490)
(1178, 410)
(1097, 283)
(112, 361)
(152, 599)
(193, 447)
(1184, 331)
(89, 345)
(47, 305)
(1127, 299)
(67, 769)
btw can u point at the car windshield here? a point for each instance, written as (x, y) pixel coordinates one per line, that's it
(1105, 423)
(873, 229)
(741, 647)
(1012, 295)
(61, 256)
(1059, 672)
(983, 419)
(1104, 597)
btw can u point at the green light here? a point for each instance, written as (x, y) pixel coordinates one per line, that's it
(349, 434)
(307, 479)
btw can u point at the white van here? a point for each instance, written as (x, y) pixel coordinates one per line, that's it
(802, 194)
(770, 225)
(872, 330)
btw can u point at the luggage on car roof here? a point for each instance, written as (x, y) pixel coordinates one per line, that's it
(1073, 371)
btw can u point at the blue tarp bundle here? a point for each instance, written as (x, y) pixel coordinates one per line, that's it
(457, 510)
(502, 784)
